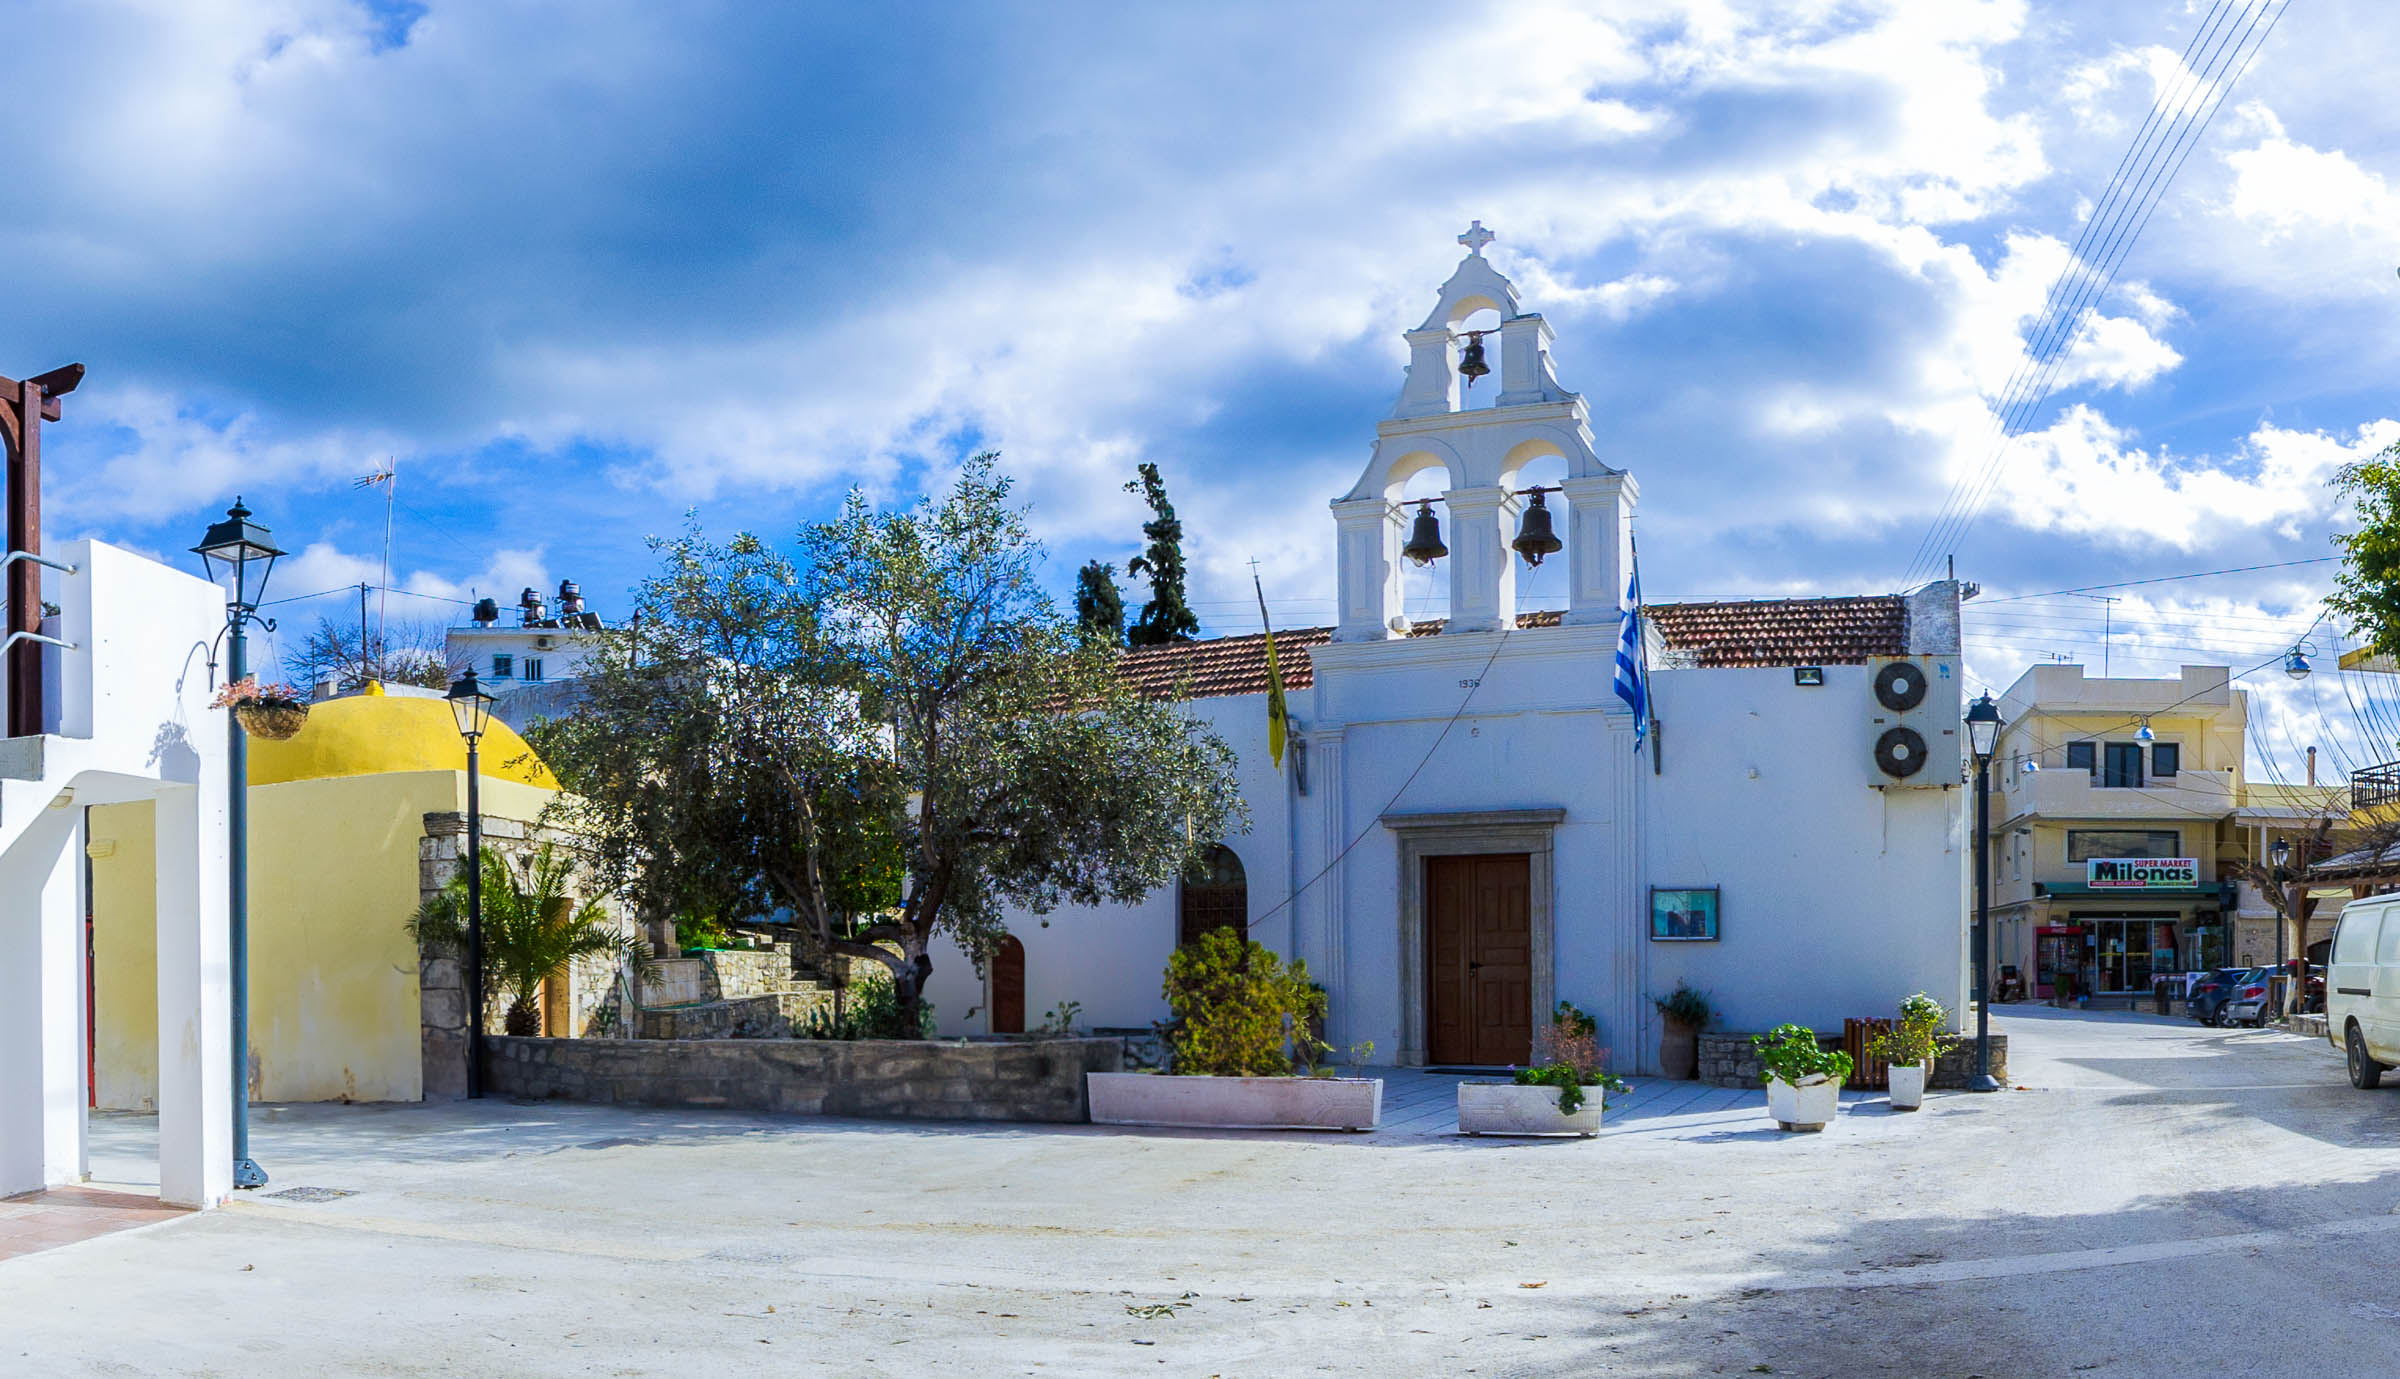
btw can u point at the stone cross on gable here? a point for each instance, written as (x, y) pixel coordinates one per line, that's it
(1476, 237)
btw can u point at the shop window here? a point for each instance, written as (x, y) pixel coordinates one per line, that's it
(2084, 844)
(504, 665)
(2166, 758)
(1216, 895)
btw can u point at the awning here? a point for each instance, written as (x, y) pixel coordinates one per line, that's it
(2062, 890)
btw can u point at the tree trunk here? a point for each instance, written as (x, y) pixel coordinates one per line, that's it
(908, 985)
(522, 1018)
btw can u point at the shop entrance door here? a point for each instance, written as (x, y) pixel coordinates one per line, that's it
(2126, 950)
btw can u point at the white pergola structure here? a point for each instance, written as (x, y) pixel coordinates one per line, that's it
(124, 716)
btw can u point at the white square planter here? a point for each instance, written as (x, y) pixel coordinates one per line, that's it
(1809, 1106)
(1908, 1087)
(1237, 1103)
(1503, 1108)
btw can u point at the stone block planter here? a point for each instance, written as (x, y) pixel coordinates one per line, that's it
(1907, 1086)
(1809, 1106)
(1503, 1108)
(1237, 1103)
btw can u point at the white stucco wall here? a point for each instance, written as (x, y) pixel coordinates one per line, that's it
(1838, 898)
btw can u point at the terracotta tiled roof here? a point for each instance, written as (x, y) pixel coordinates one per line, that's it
(1238, 665)
(1223, 665)
(1783, 632)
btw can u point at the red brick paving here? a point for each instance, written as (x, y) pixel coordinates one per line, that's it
(64, 1215)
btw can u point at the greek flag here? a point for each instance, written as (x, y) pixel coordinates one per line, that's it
(1632, 685)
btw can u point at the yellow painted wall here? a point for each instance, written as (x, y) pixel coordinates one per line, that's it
(122, 838)
(333, 972)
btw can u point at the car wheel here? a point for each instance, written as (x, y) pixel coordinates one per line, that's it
(2365, 1073)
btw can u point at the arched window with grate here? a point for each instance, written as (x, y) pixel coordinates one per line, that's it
(1216, 894)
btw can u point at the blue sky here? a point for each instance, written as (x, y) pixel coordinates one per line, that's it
(578, 269)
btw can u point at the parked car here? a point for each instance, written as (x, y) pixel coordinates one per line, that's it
(2210, 992)
(2362, 992)
(2253, 999)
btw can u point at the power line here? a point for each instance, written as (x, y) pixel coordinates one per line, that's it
(2163, 579)
(2094, 277)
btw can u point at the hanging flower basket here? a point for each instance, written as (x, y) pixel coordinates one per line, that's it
(274, 712)
(276, 720)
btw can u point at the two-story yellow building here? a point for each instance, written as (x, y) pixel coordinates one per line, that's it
(2113, 804)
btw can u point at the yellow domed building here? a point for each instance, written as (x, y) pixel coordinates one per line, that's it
(352, 822)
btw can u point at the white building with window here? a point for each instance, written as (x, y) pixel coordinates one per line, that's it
(2113, 802)
(531, 656)
(1471, 825)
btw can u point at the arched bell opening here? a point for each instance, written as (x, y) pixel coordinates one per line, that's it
(1425, 529)
(1534, 472)
(1475, 353)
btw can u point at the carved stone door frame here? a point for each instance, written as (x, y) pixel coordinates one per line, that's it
(1450, 834)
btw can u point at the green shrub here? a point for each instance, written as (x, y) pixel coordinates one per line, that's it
(1792, 1054)
(1685, 1006)
(1916, 1036)
(1567, 1055)
(1239, 1009)
(870, 1009)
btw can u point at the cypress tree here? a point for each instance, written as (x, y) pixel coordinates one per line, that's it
(1099, 606)
(1165, 618)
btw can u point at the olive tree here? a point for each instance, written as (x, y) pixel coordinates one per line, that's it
(891, 733)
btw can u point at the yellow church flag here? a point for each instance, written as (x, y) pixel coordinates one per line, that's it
(1276, 713)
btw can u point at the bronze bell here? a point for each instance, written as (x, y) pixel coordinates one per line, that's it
(1535, 538)
(1470, 363)
(1425, 538)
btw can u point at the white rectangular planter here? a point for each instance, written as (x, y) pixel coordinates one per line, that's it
(1809, 1106)
(1503, 1108)
(1908, 1087)
(1237, 1103)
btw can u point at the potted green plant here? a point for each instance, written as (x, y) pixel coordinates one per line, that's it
(1241, 1026)
(1562, 1092)
(274, 712)
(1910, 1046)
(1682, 1014)
(532, 930)
(1804, 1078)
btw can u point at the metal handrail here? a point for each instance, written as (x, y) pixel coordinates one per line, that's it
(59, 565)
(44, 638)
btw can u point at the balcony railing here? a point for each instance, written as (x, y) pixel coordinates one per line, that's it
(2374, 785)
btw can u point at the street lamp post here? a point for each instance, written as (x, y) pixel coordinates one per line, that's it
(238, 555)
(471, 706)
(2288, 911)
(1983, 736)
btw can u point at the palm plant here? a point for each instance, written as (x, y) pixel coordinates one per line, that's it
(532, 929)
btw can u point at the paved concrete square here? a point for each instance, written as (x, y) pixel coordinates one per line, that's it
(2155, 1191)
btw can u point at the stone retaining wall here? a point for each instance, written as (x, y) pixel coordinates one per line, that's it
(1025, 1080)
(1728, 1059)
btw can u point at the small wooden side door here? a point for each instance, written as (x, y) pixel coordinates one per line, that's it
(1479, 959)
(1008, 986)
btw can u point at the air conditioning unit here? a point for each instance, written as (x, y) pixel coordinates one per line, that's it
(544, 643)
(1913, 723)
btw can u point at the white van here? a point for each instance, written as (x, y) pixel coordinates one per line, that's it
(2362, 988)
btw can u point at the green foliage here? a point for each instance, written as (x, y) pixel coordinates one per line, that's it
(1166, 617)
(1792, 1054)
(1061, 1019)
(1239, 1009)
(870, 1009)
(890, 733)
(1099, 605)
(1685, 1006)
(1566, 1055)
(700, 931)
(1916, 1036)
(532, 930)
(2367, 588)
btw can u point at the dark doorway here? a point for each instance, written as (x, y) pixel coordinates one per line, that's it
(1008, 986)
(1479, 959)
(1216, 895)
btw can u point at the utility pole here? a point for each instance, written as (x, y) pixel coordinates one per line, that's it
(24, 406)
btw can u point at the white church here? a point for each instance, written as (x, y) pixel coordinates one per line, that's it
(1471, 825)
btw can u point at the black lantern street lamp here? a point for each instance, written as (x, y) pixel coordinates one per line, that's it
(238, 556)
(471, 705)
(1983, 736)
